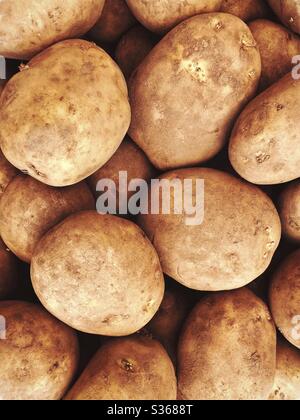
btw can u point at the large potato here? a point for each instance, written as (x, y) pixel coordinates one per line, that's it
(187, 92)
(289, 203)
(264, 146)
(227, 350)
(98, 274)
(39, 356)
(287, 379)
(160, 16)
(65, 114)
(28, 209)
(288, 11)
(285, 298)
(134, 368)
(234, 244)
(245, 9)
(276, 55)
(7, 173)
(8, 271)
(29, 27)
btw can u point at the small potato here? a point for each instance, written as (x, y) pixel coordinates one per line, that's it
(264, 145)
(245, 9)
(288, 11)
(28, 209)
(289, 203)
(188, 91)
(133, 48)
(287, 379)
(227, 350)
(133, 368)
(285, 298)
(7, 173)
(161, 16)
(39, 357)
(65, 114)
(8, 271)
(98, 274)
(28, 28)
(276, 55)
(115, 20)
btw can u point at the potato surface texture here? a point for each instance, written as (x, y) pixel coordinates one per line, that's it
(65, 114)
(289, 203)
(245, 9)
(288, 11)
(7, 173)
(8, 271)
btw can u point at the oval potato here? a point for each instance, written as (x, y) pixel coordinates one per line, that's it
(289, 205)
(246, 10)
(8, 271)
(288, 11)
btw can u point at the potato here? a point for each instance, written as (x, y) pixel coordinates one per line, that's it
(65, 114)
(133, 48)
(276, 55)
(161, 16)
(29, 28)
(7, 173)
(234, 244)
(288, 11)
(227, 350)
(287, 379)
(133, 368)
(110, 279)
(264, 146)
(115, 20)
(38, 358)
(8, 271)
(245, 9)
(289, 203)
(285, 298)
(28, 209)
(187, 92)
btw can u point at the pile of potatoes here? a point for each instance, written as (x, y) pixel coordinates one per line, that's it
(147, 307)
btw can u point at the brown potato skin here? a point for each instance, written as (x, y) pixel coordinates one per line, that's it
(111, 282)
(227, 350)
(65, 114)
(161, 16)
(287, 379)
(29, 209)
(289, 13)
(284, 298)
(289, 210)
(23, 37)
(232, 247)
(8, 271)
(276, 55)
(191, 58)
(39, 357)
(115, 20)
(246, 10)
(7, 173)
(264, 145)
(133, 368)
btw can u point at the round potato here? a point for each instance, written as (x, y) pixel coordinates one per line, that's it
(211, 67)
(289, 204)
(227, 350)
(8, 271)
(133, 48)
(161, 16)
(29, 28)
(232, 246)
(245, 9)
(276, 55)
(7, 173)
(39, 355)
(285, 298)
(110, 279)
(134, 368)
(288, 11)
(287, 379)
(115, 20)
(28, 209)
(264, 146)
(65, 114)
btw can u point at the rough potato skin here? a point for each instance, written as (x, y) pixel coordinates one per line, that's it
(65, 114)
(211, 68)
(288, 11)
(39, 357)
(232, 247)
(115, 20)
(285, 298)
(7, 173)
(227, 350)
(162, 15)
(31, 28)
(289, 205)
(8, 271)
(110, 279)
(246, 10)
(264, 146)
(276, 55)
(133, 368)
(28, 209)
(287, 379)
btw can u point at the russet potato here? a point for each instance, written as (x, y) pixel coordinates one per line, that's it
(288, 12)
(289, 209)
